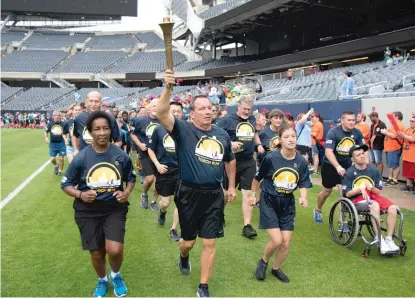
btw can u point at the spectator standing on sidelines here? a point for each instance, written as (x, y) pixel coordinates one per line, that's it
(203, 153)
(408, 167)
(393, 148)
(376, 142)
(363, 127)
(347, 87)
(317, 135)
(303, 129)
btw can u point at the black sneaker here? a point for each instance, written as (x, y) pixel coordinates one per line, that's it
(154, 206)
(203, 291)
(173, 235)
(406, 187)
(261, 270)
(249, 232)
(280, 275)
(56, 170)
(386, 179)
(184, 265)
(162, 218)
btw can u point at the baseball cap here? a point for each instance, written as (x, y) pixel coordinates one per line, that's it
(357, 147)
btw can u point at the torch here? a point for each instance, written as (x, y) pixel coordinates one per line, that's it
(167, 28)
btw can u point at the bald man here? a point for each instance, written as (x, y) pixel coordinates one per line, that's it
(143, 131)
(81, 137)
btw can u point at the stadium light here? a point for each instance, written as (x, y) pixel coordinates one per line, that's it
(412, 50)
(356, 59)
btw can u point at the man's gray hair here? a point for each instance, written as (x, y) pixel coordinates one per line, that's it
(247, 99)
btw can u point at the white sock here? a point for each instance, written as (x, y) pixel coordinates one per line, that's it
(388, 238)
(113, 274)
(104, 278)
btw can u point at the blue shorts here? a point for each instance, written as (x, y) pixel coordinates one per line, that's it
(57, 149)
(393, 158)
(377, 156)
(276, 212)
(69, 150)
(314, 149)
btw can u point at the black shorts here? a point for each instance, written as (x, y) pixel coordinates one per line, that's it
(166, 184)
(245, 172)
(96, 227)
(304, 150)
(329, 176)
(276, 212)
(200, 210)
(147, 164)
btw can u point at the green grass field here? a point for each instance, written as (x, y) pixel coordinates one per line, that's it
(41, 252)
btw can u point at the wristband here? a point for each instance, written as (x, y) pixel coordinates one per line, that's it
(80, 195)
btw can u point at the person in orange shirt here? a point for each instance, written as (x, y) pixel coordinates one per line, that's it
(408, 155)
(393, 149)
(317, 134)
(363, 127)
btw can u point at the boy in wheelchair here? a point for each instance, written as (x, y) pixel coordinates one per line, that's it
(362, 185)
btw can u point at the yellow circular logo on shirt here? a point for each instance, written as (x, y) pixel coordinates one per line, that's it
(209, 150)
(168, 143)
(245, 131)
(103, 177)
(56, 130)
(86, 136)
(362, 181)
(343, 147)
(285, 180)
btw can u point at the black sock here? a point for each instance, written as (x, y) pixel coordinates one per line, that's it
(184, 260)
(203, 285)
(264, 262)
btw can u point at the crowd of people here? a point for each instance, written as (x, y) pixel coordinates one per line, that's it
(200, 160)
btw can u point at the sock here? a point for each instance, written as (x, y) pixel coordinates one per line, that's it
(203, 285)
(264, 261)
(388, 238)
(113, 274)
(103, 278)
(153, 202)
(184, 260)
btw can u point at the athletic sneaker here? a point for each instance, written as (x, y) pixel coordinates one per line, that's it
(384, 247)
(173, 235)
(249, 232)
(391, 244)
(154, 206)
(144, 201)
(280, 275)
(102, 288)
(59, 173)
(343, 228)
(120, 289)
(261, 269)
(56, 170)
(392, 183)
(184, 265)
(162, 218)
(318, 216)
(406, 187)
(142, 180)
(203, 291)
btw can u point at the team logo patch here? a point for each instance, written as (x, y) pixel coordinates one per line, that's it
(103, 177)
(285, 180)
(344, 146)
(86, 136)
(362, 181)
(168, 143)
(150, 129)
(209, 150)
(56, 130)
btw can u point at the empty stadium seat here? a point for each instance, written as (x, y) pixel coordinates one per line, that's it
(31, 61)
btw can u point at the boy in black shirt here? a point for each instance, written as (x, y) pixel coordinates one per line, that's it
(57, 141)
(203, 152)
(376, 142)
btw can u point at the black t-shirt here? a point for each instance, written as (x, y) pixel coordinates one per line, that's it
(281, 177)
(240, 130)
(144, 127)
(378, 143)
(201, 154)
(354, 178)
(56, 130)
(102, 172)
(164, 147)
(341, 141)
(80, 131)
(267, 135)
(69, 130)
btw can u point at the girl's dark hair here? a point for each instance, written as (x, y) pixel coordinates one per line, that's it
(284, 127)
(94, 116)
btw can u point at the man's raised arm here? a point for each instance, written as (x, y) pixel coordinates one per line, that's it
(163, 103)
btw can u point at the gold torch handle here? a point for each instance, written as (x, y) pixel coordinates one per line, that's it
(167, 28)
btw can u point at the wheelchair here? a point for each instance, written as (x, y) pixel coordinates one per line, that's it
(347, 220)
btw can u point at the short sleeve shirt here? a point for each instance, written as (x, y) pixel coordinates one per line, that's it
(56, 131)
(164, 146)
(354, 178)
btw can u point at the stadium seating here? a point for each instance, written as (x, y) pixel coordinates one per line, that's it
(152, 40)
(221, 8)
(53, 41)
(9, 92)
(112, 42)
(31, 61)
(90, 62)
(145, 62)
(9, 36)
(36, 99)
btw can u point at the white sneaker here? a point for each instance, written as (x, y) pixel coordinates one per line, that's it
(384, 247)
(391, 244)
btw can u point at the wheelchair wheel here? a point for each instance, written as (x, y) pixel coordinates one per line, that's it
(344, 222)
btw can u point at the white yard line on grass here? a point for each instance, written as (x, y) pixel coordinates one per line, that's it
(23, 185)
